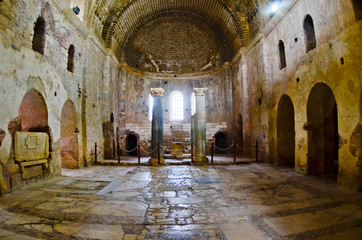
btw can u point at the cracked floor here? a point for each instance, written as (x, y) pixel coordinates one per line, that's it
(251, 201)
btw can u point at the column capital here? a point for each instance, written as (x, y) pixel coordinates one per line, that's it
(200, 91)
(157, 92)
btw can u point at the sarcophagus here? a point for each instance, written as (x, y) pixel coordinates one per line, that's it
(31, 149)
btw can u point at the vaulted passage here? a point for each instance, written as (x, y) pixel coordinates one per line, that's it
(322, 128)
(68, 136)
(286, 132)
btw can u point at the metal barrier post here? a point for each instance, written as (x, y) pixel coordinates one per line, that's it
(234, 153)
(139, 153)
(257, 150)
(158, 154)
(192, 154)
(95, 153)
(118, 153)
(212, 152)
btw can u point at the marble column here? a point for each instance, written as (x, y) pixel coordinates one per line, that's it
(200, 126)
(157, 126)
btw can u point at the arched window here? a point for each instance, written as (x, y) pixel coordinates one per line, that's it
(150, 107)
(193, 104)
(310, 41)
(357, 5)
(70, 65)
(282, 60)
(177, 106)
(39, 36)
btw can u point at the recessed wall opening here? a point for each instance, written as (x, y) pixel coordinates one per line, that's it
(310, 39)
(357, 5)
(131, 143)
(220, 142)
(71, 52)
(282, 60)
(33, 113)
(39, 36)
(68, 137)
(323, 138)
(285, 132)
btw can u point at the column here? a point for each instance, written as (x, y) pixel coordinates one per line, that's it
(157, 125)
(200, 126)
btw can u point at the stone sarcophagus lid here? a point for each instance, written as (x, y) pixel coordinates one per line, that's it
(31, 149)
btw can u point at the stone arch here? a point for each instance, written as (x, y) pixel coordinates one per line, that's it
(220, 141)
(323, 138)
(131, 143)
(68, 138)
(33, 112)
(39, 35)
(286, 132)
(310, 39)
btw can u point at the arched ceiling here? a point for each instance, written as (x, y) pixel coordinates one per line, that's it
(121, 22)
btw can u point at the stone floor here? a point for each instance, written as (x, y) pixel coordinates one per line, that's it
(251, 202)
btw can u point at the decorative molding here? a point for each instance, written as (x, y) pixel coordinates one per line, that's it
(157, 92)
(200, 91)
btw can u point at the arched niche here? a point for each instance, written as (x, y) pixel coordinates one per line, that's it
(310, 38)
(131, 143)
(220, 142)
(286, 132)
(33, 113)
(68, 136)
(322, 128)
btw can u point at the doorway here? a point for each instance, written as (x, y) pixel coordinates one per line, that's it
(286, 132)
(323, 138)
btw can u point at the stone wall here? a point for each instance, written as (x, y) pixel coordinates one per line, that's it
(335, 61)
(136, 113)
(23, 69)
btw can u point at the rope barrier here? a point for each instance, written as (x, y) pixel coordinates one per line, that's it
(209, 148)
(245, 149)
(226, 149)
(148, 153)
(127, 151)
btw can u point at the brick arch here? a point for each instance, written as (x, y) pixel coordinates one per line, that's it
(177, 42)
(125, 18)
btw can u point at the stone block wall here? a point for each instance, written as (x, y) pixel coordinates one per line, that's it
(335, 62)
(23, 69)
